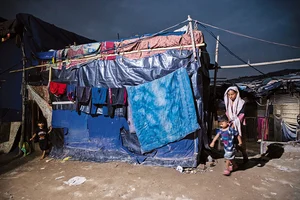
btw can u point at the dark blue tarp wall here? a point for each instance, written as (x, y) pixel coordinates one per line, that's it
(39, 36)
(98, 139)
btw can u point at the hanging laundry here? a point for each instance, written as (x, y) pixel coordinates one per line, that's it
(116, 97)
(98, 99)
(57, 88)
(71, 92)
(261, 122)
(163, 110)
(83, 97)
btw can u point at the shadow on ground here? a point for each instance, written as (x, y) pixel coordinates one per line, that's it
(12, 160)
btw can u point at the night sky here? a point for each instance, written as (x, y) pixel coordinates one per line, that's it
(273, 20)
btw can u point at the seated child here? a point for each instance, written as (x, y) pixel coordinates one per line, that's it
(228, 135)
(43, 140)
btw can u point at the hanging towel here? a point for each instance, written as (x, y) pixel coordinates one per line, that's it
(57, 88)
(163, 110)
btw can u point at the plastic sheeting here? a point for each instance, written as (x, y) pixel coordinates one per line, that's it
(98, 139)
(83, 141)
(163, 110)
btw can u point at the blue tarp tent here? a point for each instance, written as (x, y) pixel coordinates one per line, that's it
(37, 36)
(103, 139)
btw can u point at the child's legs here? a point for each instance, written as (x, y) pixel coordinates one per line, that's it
(227, 164)
(229, 156)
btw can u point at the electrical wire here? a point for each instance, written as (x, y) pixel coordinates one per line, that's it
(227, 49)
(247, 36)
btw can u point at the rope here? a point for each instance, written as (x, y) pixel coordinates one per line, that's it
(229, 51)
(247, 36)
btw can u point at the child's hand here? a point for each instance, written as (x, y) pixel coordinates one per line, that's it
(30, 139)
(212, 144)
(240, 144)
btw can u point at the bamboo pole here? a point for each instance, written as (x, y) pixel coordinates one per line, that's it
(88, 58)
(23, 99)
(192, 36)
(264, 128)
(262, 63)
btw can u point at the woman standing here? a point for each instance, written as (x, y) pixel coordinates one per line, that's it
(236, 115)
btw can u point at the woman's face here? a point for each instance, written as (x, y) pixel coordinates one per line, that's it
(231, 95)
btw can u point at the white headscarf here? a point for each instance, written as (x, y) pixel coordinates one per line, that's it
(234, 107)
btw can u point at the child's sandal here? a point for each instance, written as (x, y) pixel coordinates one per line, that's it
(232, 168)
(226, 172)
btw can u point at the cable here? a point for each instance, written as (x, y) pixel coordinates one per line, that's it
(140, 39)
(229, 51)
(247, 36)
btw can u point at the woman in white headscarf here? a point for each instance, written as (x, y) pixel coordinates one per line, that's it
(235, 113)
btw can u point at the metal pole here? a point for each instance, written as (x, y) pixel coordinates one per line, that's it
(192, 36)
(23, 99)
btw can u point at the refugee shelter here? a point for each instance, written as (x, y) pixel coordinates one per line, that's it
(139, 100)
(35, 36)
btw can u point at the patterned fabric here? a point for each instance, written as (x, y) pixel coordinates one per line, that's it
(233, 108)
(227, 137)
(44, 106)
(163, 110)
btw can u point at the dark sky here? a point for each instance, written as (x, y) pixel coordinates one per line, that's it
(274, 20)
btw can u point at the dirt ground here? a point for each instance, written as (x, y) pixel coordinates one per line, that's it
(29, 178)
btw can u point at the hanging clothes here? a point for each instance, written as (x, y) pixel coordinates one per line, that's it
(261, 122)
(98, 99)
(116, 97)
(57, 88)
(71, 92)
(83, 97)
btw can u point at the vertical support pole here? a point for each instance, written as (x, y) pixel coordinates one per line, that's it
(264, 128)
(216, 67)
(50, 75)
(23, 99)
(192, 36)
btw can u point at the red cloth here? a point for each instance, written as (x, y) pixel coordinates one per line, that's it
(57, 88)
(108, 48)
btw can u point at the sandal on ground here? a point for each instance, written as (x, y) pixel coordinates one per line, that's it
(226, 172)
(232, 168)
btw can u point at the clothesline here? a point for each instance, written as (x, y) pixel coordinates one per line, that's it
(88, 58)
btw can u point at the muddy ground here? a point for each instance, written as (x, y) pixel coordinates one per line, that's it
(29, 178)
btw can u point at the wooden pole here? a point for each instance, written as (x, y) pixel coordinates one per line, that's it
(262, 63)
(23, 99)
(216, 66)
(192, 36)
(264, 128)
(88, 58)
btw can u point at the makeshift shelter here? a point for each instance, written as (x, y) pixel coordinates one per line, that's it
(278, 104)
(169, 125)
(35, 36)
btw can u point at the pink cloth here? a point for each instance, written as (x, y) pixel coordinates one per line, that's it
(260, 124)
(108, 48)
(156, 42)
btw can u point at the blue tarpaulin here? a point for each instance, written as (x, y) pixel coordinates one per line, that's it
(163, 110)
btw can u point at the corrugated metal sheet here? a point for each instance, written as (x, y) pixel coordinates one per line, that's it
(287, 106)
